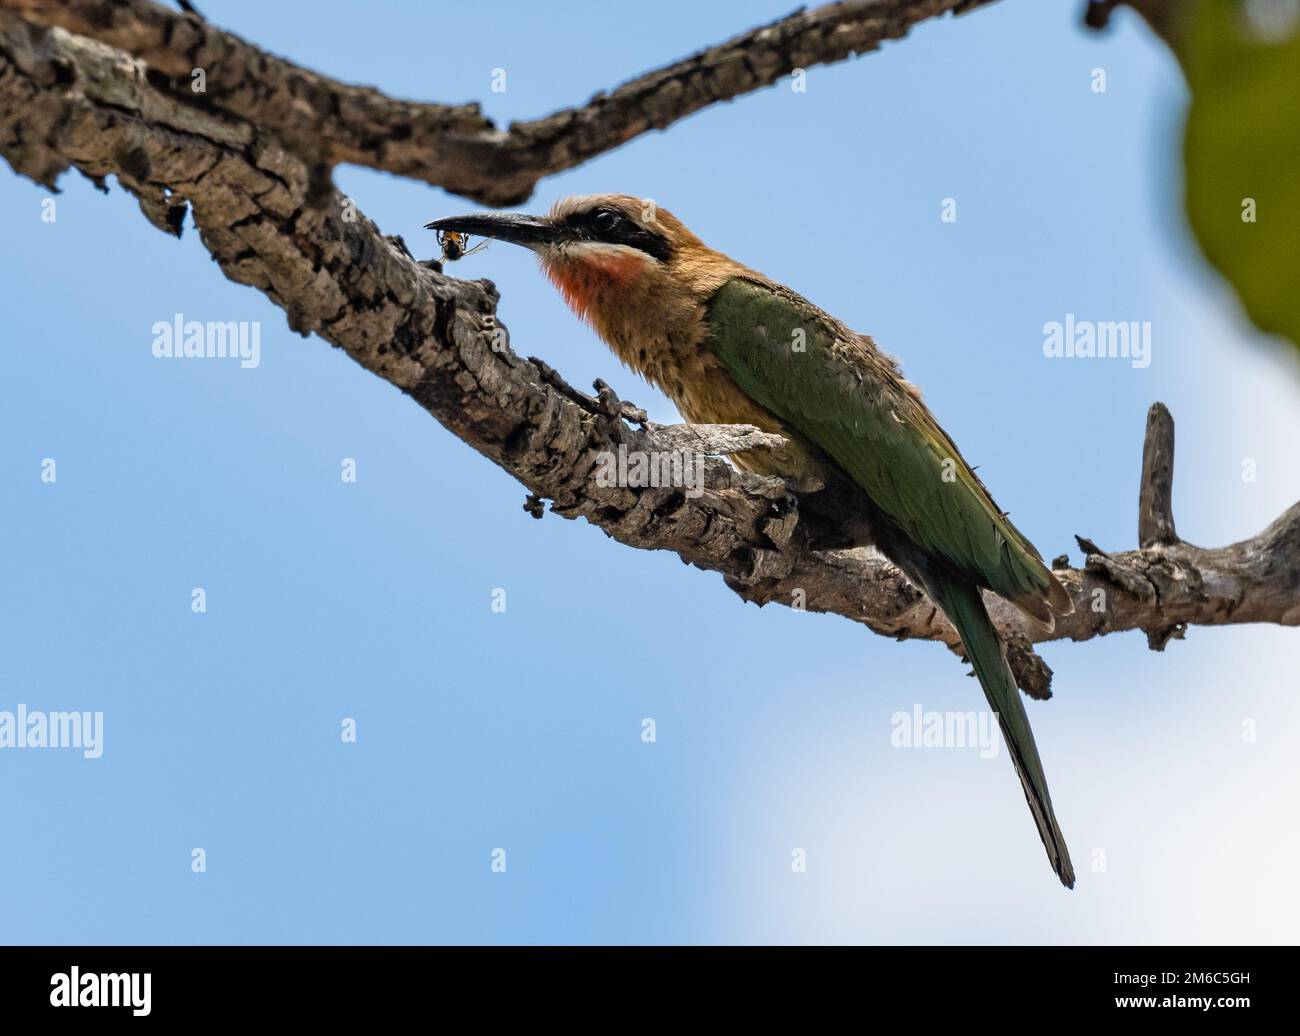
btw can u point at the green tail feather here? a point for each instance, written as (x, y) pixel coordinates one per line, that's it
(964, 606)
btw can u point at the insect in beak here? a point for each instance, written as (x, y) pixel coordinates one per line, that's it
(455, 245)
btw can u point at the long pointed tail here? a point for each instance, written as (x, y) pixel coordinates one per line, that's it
(964, 606)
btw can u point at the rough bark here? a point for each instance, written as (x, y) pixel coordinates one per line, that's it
(71, 102)
(455, 146)
(1156, 493)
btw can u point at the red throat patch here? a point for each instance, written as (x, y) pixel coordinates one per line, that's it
(582, 281)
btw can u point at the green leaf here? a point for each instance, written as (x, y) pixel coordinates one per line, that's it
(1241, 151)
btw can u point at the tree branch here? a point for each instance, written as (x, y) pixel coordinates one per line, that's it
(1156, 499)
(455, 146)
(67, 101)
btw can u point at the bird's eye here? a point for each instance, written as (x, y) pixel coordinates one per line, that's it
(605, 220)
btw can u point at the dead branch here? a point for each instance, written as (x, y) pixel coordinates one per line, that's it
(455, 146)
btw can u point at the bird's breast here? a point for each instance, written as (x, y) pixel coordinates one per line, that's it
(679, 361)
(659, 330)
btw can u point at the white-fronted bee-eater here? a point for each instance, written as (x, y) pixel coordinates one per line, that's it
(718, 338)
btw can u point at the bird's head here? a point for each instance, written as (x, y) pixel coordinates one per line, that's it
(598, 249)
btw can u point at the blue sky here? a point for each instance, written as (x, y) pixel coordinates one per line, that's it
(520, 730)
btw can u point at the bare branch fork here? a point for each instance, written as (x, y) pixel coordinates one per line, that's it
(454, 146)
(67, 101)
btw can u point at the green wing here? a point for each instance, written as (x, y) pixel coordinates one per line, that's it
(849, 400)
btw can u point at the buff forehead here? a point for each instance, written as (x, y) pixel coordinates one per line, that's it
(625, 203)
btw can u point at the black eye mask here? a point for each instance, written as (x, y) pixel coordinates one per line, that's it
(613, 228)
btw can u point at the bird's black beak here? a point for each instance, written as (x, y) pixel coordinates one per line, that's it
(514, 227)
